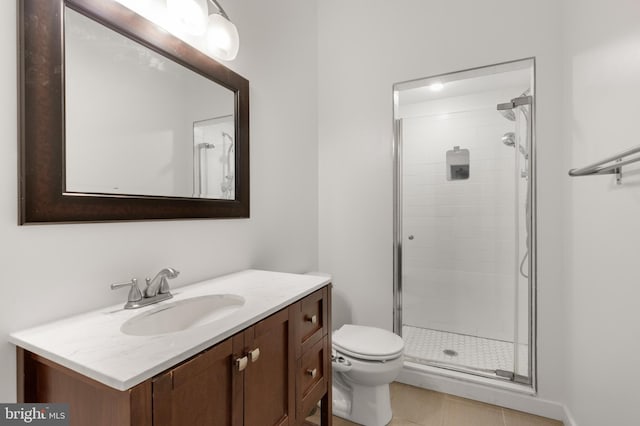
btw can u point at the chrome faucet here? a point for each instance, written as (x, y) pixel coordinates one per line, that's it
(157, 289)
(159, 284)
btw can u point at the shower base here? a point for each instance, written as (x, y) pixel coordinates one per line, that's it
(459, 351)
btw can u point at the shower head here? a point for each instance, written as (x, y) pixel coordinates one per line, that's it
(509, 138)
(227, 135)
(508, 114)
(507, 109)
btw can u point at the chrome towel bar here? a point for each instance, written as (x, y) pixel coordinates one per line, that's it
(609, 165)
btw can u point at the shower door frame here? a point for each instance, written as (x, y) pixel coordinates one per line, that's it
(532, 383)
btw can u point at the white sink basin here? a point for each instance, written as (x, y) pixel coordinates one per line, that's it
(183, 315)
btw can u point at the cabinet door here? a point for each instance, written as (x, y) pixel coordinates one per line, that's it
(202, 391)
(269, 379)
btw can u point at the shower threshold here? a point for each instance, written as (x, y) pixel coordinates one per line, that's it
(469, 354)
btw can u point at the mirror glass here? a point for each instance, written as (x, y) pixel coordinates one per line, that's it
(138, 123)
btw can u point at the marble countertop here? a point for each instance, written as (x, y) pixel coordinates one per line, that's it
(93, 345)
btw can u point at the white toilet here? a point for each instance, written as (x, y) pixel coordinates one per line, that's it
(365, 360)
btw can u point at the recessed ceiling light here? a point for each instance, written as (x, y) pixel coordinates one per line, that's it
(436, 87)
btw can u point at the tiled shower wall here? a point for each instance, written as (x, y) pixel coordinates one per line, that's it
(458, 268)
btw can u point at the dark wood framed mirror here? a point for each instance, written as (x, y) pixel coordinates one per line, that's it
(46, 191)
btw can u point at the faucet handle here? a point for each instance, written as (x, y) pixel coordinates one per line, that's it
(134, 293)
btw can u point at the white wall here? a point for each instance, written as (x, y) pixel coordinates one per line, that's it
(364, 47)
(52, 271)
(602, 312)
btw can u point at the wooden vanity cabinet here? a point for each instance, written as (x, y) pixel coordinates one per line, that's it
(90, 402)
(313, 354)
(214, 389)
(269, 381)
(271, 374)
(200, 391)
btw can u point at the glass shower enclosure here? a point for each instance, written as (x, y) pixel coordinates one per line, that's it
(464, 225)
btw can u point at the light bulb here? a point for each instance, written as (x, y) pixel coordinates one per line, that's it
(191, 15)
(142, 7)
(223, 40)
(135, 5)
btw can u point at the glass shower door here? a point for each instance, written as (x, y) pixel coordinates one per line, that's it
(463, 221)
(524, 317)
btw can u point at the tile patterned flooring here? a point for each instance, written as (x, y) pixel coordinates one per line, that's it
(420, 407)
(423, 345)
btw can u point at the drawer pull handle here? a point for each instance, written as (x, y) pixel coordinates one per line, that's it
(313, 373)
(242, 363)
(313, 319)
(254, 354)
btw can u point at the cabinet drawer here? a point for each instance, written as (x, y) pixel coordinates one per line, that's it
(313, 376)
(312, 319)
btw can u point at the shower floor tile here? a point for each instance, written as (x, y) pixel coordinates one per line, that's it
(426, 346)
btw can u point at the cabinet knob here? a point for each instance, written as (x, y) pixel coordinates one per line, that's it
(313, 373)
(242, 363)
(254, 354)
(313, 319)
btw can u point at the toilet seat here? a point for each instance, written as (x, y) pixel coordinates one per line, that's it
(367, 343)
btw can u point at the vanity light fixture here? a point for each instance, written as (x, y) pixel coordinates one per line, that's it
(436, 87)
(190, 20)
(190, 15)
(222, 36)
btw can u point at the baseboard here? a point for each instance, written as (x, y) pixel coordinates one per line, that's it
(521, 400)
(568, 418)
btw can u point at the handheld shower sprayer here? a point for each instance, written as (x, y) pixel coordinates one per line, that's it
(509, 139)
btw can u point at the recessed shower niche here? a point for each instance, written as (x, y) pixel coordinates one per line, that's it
(465, 222)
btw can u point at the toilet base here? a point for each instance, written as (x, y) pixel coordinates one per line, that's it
(366, 405)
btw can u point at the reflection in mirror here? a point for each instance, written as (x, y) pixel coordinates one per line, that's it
(138, 123)
(213, 152)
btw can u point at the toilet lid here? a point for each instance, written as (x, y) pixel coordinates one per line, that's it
(369, 343)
